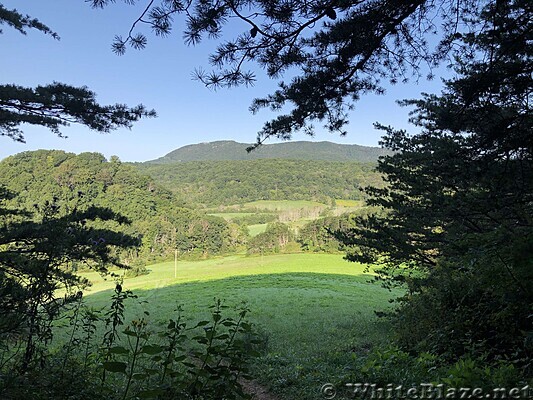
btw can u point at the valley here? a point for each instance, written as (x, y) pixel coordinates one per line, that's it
(251, 231)
(167, 250)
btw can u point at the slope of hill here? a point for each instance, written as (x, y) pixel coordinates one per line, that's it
(302, 150)
(223, 183)
(86, 179)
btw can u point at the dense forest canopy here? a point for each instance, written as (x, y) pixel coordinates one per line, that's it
(157, 216)
(168, 219)
(224, 150)
(214, 183)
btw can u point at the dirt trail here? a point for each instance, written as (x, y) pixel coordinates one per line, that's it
(257, 391)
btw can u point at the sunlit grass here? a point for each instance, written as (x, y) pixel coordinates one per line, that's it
(164, 274)
(315, 311)
(256, 229)
(349, 203)
(283, 205)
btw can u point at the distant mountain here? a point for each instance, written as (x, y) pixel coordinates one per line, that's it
(225, 150)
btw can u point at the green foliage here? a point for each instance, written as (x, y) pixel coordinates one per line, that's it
(255, 219)
(215, 183)
(475, 311)
(275, 238)
(320, 235)
(160, 221)
(317, 235)
(335, 51)
(226, 150)
(468, 372)
(35, 254)
(204, 361)
(459, 200)
(391, 364)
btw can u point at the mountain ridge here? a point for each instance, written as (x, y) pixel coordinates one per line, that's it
(226, 150)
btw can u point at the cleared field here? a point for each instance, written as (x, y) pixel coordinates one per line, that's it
(231, 215)
(256, 229)
(349, 203)
(296, 213)
(315, 311)
(282, 205)
(162, 274)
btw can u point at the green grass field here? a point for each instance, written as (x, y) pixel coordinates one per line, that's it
(232, 215)
(316, 311)
(256, 229)
(282, 205)
(349, 203)
(296, 213)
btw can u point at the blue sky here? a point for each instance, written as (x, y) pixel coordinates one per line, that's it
(160, 77)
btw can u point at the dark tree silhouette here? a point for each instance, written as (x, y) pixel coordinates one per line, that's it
(459, 200)
(338, 50)
(56, 104)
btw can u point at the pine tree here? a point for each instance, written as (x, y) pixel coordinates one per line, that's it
(57, 104)
(458, 227)
(337, 51)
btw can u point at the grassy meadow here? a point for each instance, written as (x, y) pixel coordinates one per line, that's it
(282, 205)
(295, 213)
(314, 311)
(256, 229)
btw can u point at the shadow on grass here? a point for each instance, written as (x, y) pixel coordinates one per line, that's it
(303, 313)
(313, 324)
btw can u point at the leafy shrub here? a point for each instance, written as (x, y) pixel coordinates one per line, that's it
(393, 366)
(469, 372)
(204, 361)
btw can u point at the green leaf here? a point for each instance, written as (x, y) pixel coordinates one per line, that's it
(222, 337)
(118, 350)
(115, 366)
(129, 332)
(151, 371)
(151, 349)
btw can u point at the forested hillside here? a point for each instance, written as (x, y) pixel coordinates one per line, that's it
(165, 209)
(215, 183)
(224, 150)
(156, 216)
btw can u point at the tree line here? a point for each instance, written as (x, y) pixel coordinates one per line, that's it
(158, 218)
